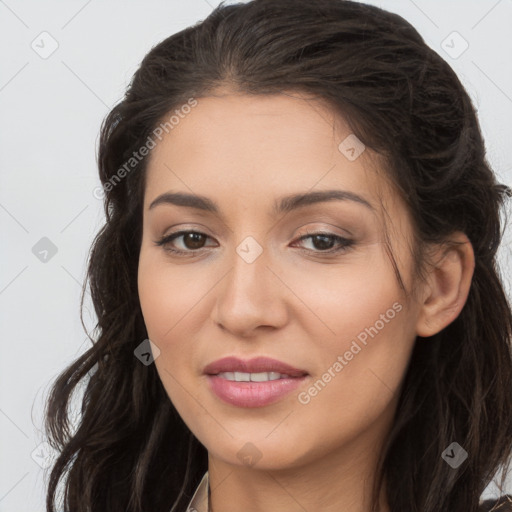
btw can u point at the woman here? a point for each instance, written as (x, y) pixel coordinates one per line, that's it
(298, 301)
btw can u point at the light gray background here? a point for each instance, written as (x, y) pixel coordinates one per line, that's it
(51, 109)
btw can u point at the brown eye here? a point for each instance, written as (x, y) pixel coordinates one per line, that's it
(327, 243)
(191, 241)
(323, 242)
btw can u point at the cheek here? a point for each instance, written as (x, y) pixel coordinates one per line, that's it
(346, 300)
(358, 380)
(167, 297)
(174, 303)
(362, 335)
(169, 300)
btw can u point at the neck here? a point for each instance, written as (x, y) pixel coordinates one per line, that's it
(337, 480)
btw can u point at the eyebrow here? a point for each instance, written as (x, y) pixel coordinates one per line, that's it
(282, 205)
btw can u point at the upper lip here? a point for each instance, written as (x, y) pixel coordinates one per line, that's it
(255, 365)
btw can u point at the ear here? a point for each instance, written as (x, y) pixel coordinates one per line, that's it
(447, 286)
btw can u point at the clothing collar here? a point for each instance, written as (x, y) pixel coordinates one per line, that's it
(200, 501)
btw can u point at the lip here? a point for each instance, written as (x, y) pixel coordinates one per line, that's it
(252, 394)
(257, 364)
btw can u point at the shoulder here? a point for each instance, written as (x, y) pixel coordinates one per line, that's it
(503, 504)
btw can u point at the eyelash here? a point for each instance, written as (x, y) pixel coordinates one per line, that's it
(345, 243)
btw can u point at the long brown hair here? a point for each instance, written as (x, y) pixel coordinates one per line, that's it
(131, 452)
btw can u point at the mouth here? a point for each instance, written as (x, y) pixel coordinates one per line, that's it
(253, 367)
(254, 383)
(252, 377)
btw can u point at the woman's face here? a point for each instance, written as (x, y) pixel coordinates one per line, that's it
(326, 313)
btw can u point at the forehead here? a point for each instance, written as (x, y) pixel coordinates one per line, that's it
(247, 149)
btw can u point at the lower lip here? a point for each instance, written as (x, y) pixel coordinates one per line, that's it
(252, 394)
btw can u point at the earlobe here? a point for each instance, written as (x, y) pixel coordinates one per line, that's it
(447, 286)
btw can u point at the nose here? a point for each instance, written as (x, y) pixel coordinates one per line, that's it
(250, 297)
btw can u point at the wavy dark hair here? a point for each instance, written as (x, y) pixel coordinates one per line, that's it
(130, 451)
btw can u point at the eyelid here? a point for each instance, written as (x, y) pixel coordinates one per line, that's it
(167, 238)
(343, 243)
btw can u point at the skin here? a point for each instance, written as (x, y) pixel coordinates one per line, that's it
(300, 307)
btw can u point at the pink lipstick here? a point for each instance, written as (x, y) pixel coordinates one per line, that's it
(253, 383)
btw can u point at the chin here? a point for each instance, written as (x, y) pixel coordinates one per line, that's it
(254, 450)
